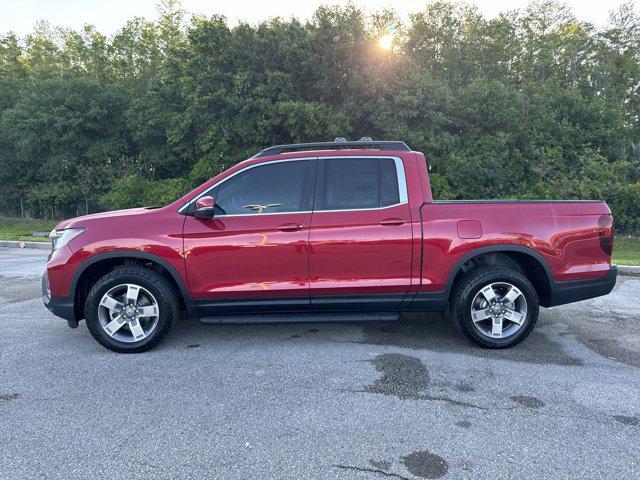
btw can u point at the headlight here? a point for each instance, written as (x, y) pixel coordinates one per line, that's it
(62, 237)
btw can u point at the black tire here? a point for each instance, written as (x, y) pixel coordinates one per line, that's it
(156, 284)
(472, 283)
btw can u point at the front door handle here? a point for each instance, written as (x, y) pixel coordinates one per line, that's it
(391, 221)
(290, 227)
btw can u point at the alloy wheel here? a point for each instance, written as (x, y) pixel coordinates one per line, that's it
(128, 313)
(498, 310)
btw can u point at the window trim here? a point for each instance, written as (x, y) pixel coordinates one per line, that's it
(185, 208)
(400, 174)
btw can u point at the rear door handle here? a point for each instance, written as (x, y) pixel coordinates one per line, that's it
(290, 227)
(391, 222)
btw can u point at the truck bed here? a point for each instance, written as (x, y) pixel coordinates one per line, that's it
(570, 236)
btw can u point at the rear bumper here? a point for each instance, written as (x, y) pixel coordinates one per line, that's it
(576, 290)
(60, 306)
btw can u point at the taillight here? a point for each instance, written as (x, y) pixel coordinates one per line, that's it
(605, 232)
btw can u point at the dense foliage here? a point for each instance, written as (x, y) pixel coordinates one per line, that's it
(532, 104)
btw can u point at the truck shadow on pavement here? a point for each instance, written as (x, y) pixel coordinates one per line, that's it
(415, 331)
(435, 333)
(566, 336)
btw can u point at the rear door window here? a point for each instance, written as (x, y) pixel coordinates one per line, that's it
(358, 183)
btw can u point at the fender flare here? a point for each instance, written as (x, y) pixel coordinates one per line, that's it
(497, 249)
(184, 292)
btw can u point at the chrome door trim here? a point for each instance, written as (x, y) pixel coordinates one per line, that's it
(248, 167)
(400, 173)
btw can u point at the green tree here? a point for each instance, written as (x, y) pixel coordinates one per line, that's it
(533, 103)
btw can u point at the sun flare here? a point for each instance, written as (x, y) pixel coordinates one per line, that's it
(386, 41)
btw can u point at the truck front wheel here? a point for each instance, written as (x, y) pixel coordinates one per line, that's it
(495, 307)
(131, 309)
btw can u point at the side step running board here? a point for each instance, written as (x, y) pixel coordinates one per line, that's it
(250, 319)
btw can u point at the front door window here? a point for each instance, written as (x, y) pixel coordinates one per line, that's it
(271, 188)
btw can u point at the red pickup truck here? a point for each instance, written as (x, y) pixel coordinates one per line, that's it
(333, 231)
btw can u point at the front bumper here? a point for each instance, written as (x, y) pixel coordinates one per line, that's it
(62, 307)
(576, 290)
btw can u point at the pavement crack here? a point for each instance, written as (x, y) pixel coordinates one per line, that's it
(451, 401)
(371, 470)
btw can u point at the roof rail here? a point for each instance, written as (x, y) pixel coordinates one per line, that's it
(339, 143)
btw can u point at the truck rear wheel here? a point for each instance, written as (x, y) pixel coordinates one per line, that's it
(131, 309)
(495, 307)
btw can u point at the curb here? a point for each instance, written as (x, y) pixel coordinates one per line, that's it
(629, 270)
(19, 244)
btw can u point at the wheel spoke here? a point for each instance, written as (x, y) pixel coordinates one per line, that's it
(114, 325)
(479, 315)
(110, 303)
(136, 329)
(132, 293)
(512, 294)
(497, 303)
(148, 311)
(129, 313)
(513, 316)
(488, 293)
(496, 327)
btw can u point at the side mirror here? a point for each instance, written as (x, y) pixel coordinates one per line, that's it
(204, 207)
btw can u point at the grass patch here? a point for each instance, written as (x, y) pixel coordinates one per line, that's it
(23, 229)
(626, 250)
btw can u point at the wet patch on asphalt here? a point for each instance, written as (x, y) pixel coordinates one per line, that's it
(529, 402)
(421, 463)
(612, 348)
(465, 387)
(425, 464)
(611, 329)
(435, 333)
(16, 290)
(627, 420)
(380, 464)
(7, 397)
(405, 377)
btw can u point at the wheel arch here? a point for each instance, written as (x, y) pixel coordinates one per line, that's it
(102, 263)
(524, 259)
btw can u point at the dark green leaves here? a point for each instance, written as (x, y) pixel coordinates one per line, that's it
(529, 104)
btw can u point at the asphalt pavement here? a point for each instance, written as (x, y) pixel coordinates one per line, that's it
(406, 400)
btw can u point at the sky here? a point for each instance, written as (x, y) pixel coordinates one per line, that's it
(20, 16)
